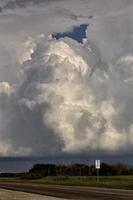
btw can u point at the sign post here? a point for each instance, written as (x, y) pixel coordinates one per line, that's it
(97, 165)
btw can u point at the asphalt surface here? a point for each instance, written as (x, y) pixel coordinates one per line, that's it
(71, 192)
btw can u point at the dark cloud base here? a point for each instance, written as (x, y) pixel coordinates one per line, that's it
(20, 164)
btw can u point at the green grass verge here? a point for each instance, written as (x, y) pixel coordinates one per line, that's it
(117, 182)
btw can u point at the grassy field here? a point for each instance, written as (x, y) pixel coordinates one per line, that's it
(120, 182)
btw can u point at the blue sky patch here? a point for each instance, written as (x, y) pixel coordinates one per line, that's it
(78, 33)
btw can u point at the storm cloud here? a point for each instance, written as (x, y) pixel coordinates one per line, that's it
(62, 96)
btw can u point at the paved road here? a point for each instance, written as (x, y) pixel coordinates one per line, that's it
(69, 192)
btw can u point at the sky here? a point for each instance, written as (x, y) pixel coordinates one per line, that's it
(66, 78)
(78, 33)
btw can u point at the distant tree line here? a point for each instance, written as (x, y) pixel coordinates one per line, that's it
(43, 170)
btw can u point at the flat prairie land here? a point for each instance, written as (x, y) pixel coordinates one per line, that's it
(116, 182)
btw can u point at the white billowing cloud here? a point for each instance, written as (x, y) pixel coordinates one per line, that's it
(5, 88)
(78, 116)
(71, 111)
(62, 96)
(18, 22)
(6, 148)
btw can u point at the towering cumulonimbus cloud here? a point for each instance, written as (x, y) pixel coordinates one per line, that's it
(59, 105)
(61, 96)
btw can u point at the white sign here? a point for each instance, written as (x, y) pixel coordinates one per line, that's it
(97, 164)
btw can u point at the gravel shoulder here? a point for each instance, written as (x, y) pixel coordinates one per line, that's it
(14, 195)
